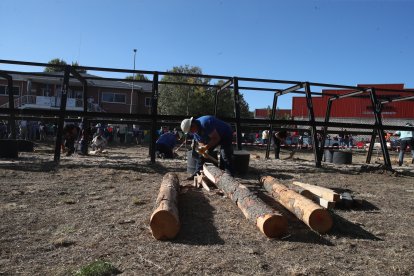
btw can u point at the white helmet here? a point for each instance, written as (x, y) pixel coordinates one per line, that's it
(186, 125)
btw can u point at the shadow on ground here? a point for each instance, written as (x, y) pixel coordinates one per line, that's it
(197, 218)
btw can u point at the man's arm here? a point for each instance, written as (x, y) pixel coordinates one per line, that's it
(214, 141)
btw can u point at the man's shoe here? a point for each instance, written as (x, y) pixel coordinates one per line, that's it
(191, 177)
(400, 163)
(412, 161)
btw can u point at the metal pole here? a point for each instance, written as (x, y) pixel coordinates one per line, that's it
(376, 105)
(12, 120)
(237, 112)
(325, 129)
(62, 112)
(273, 116)
(133, 80)
(154, 106)
(311, 117)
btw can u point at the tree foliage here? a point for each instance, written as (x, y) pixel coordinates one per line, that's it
(57, 61)
(196, 100)
(137, 77)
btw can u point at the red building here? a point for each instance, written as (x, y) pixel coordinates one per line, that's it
(265, 113)
(358, 109)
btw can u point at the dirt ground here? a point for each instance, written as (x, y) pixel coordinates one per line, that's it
(54, 220)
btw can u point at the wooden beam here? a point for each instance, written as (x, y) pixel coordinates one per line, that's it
(164, 221)
(270, 222)
(325, 193)
(318, 200)
(313, 215)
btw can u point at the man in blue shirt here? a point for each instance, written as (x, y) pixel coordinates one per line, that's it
(210, 132)
(165, 144)
(406, 139)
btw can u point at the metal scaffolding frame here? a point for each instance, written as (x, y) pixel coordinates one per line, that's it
(232, 83)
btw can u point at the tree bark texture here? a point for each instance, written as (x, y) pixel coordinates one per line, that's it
(270, 222)
(313, 215)
(164, 221)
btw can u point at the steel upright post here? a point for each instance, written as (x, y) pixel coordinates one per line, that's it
(12, 119)
(237, 112)
(272, 118)
(62, 111)
(376, 105)
(311, 117)
(325, 129)
(154, 113)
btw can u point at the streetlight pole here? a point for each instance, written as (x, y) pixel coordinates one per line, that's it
(133, 80)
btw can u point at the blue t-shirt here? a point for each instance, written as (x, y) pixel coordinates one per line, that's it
(207, 124)
(167, 139)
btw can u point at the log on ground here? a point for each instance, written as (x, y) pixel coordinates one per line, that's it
(270, 222)
(316, 217)
(164, 221)
(323, 192)
(318, 200)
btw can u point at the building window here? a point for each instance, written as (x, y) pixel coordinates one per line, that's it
(110, 97)
(3, 90)
(147, 102)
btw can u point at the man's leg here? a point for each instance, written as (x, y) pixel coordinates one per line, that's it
(277, 148)
(226, 157)
(403, 147)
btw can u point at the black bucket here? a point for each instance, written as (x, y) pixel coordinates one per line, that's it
(328, 155)
(8, 148)
(241, 159)
(25, 146)
(342, 157)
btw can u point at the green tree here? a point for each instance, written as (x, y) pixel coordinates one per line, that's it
(196, 100)
(55, 61)
(138, 77)
(79, 70)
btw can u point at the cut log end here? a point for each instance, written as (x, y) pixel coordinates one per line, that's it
(320, 221)
(164, 225)
(273, 226)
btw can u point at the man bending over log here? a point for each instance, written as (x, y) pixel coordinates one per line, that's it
(210, 132)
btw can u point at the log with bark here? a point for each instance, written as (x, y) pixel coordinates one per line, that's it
(270, 222)
(164, 222)
(316, 217)
(325, 193)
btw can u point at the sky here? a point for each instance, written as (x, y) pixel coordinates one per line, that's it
(337, 42)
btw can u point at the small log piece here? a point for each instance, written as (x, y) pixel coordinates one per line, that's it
(316, 217)
(270, 222)
(318, 200)
(325, 193)
(164, 221)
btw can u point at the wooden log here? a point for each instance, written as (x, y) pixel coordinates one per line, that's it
(325, 193)
(270, 222)
(316, 217)
(318, 200)
(164, 221)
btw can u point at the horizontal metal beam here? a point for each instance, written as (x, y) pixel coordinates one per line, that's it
(337, 97)
(290, 89)
(334, 86)
(398, 99)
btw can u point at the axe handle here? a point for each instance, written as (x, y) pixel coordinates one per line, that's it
(207, 156)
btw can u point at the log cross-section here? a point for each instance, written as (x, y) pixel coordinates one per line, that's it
(316, 217)
(270, 222)
(164, 222)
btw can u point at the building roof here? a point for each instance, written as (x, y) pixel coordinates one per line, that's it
(56, 78)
